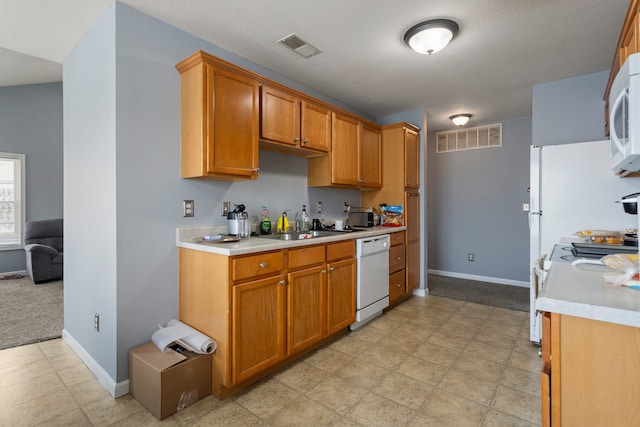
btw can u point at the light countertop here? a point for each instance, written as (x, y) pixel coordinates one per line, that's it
(582, 292)
(186, 237)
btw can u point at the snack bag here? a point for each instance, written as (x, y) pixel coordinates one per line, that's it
(391, 216)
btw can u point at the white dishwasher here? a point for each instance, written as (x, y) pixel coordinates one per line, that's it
(372, 278)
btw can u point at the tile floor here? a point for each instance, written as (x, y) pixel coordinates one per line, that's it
(428, 362)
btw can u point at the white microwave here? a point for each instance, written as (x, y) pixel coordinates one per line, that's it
(624, 116)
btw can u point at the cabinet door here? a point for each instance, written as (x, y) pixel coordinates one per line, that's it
(341, 291)
(232, 134)
(345, 150)
(371, 157)
(280, 114)
(397, 289)
(411, 159)
(258, 326)
(306, 308)
(412, 221)
(316, 127)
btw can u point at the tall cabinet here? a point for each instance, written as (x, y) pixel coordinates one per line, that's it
(401, 186)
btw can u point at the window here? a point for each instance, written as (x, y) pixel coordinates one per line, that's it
(11, 200)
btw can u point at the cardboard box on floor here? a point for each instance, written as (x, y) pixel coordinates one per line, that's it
(166, 383)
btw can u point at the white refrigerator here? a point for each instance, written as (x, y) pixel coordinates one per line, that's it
(572, 188)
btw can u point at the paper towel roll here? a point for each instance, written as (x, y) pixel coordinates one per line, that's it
(185, 335)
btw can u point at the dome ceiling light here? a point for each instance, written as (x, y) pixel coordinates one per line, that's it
(460, 119)
(430, 36)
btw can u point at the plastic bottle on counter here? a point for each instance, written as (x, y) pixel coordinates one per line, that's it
(305, 219)
(265, 224)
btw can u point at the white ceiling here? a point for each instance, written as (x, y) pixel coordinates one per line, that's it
(503, 47)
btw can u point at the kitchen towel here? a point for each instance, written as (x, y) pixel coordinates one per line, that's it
(184, 335)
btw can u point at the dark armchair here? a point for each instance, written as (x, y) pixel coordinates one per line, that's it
(43, 247)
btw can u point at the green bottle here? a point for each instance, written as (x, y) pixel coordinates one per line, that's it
(265, 224)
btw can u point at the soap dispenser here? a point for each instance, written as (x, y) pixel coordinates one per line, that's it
(304, 219)
(265, 224)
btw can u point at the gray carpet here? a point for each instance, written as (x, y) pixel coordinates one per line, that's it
(30, 313)
(505, 296)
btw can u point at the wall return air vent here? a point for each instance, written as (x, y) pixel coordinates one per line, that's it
(299, 46)
(469, 139)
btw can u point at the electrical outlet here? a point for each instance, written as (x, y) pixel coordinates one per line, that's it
(346, 207)
(471, 256)
(226, 206)
(525, 207)
(188, 208)
(96, 322)
(318, 207)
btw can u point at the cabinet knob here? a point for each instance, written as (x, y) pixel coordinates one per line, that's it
(263, 265)
(324, 271)
(397, 285)
(331, 268)
(399, 258)
(257, 169)
(306, 141)
(296, 139)
(283, 282)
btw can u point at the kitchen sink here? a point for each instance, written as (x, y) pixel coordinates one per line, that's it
(298, 235)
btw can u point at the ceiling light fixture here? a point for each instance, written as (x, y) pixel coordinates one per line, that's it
(460, 119)
(429, 37)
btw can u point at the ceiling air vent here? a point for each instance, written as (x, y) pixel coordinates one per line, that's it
(299, 46)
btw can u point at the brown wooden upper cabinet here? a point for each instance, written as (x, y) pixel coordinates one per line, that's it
(355, 158)
(220, 120)
(288, 120)
(370, 157)
(411, 158)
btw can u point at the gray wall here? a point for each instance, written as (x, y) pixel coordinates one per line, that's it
(123, 185)
(569, 110)
(475, 205)
(31, 124)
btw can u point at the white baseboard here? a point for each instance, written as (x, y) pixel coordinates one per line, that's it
(115, 389)
(481, 278)
(8, 273)
(421, 292)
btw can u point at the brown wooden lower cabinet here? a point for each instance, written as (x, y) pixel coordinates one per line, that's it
(591, 374)
(266, 309)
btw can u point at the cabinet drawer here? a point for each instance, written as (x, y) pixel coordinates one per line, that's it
(397, 238)
(396, 285)
(257, 265)
(341, 250)
(306, 256)
(396, 258)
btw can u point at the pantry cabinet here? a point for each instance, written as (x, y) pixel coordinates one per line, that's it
(266, 309)
(400, 186)
(590, 372)
(220, 120)
(412, 221)
(291, 121)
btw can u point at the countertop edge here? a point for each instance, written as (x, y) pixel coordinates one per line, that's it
(258, 244)
(588, 311)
